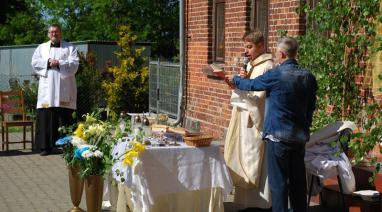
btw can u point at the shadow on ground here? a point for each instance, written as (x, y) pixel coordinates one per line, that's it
(17, 152)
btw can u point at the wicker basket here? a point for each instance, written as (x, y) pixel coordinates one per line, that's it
(198, 140)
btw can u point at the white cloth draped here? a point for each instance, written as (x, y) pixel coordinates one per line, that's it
(162, 171)
(244, 147)
(322, 158)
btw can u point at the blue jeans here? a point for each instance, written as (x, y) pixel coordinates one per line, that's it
(286, 171)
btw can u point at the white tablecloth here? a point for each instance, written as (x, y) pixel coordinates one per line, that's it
(162, 171)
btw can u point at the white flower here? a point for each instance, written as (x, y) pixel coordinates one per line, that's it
(98, 154)
(77, 141)
(87, 154)
(94, 130)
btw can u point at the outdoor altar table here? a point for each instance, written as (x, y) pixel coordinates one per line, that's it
(173, 178)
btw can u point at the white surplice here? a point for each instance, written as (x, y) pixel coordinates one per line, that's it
(244, 148)
(57, 86)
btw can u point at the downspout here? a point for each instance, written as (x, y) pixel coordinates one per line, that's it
(181, 64)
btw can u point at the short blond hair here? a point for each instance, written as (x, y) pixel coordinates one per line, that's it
(254, 36)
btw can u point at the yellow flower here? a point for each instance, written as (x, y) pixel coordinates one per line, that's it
(133, 153)
(79, 132)
(129, 158)
(127, 161)
(139, 147)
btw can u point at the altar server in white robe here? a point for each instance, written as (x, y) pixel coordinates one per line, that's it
(244, 149)
(56, 63)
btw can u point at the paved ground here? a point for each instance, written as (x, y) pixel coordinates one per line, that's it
(32, 183)
(29, 182)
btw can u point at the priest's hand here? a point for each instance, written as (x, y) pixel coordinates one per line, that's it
(53, 63)
(243, 73)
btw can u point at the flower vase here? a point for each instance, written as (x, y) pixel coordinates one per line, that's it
(94, 193)
(113, 189)
(76, 185)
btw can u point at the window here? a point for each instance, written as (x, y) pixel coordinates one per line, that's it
(218, 49)
(259, 17)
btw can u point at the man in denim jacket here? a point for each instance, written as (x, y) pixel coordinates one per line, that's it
(290, 102)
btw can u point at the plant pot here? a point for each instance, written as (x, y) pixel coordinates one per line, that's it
(76, 186)
(94, 193)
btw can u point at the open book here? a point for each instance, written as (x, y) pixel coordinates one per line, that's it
(218, 72)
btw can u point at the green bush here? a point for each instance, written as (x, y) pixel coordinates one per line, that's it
(127, 85)
(89, 90)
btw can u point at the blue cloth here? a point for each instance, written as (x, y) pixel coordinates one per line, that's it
(78, 152)
(286, 172)
(290, 100)
(63, 141)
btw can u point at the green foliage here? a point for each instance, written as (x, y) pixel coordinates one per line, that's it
(68, 148)
(155, 21)
(336, 48)
(26, 21)
(371, 134)
(127, 87)
(89, 80)
(89, 143)
(340, 41)
(30, 98)
(21, 23)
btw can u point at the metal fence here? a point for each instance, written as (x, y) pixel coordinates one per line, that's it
(164, 84)
(29, 84)
(164, 79)
(7, 82)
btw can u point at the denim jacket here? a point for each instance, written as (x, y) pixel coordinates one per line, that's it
(290, 100)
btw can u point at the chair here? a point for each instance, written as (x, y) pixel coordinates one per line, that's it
(12, 111)
(330, 140)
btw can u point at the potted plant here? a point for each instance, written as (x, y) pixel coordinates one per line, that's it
(89, 146)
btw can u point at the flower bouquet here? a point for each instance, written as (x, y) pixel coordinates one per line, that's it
(89, 145)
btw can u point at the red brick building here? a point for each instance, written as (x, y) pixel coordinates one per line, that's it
(214, 30)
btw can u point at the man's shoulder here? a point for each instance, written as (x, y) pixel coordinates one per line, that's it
(44, 44)
(275, 69)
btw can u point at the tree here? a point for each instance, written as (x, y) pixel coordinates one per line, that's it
(127, 85)
(154, 21)
(21, 23)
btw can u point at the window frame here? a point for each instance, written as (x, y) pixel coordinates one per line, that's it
(215, 39)
(255, 19)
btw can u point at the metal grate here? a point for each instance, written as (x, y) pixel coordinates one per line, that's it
(164, 80)
(83, 94)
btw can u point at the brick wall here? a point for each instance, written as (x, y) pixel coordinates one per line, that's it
(283, 16)
(207, 99)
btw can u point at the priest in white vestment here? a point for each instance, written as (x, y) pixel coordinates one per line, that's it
(56, 63)
(244, 149)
